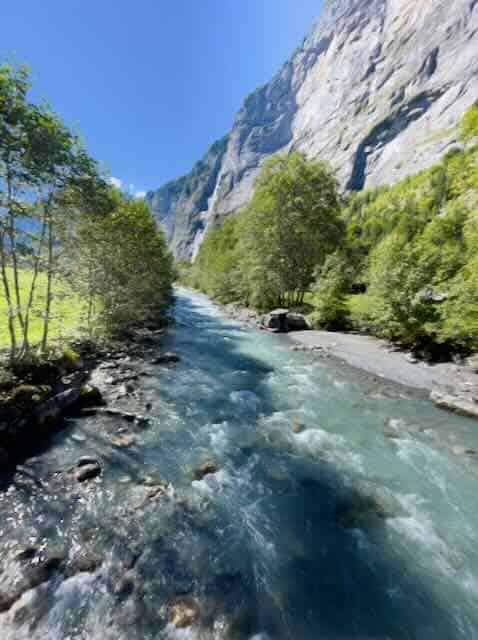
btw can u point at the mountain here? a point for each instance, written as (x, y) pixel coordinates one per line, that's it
(376, 89)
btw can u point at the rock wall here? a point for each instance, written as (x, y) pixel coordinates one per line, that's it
(376, 89)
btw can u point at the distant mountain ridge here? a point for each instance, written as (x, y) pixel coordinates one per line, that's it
(376, 89)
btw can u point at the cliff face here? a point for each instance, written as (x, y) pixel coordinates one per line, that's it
(376, 89)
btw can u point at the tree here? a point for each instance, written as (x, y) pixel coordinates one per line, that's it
(124, 265)
(331, 286)
(290, 226)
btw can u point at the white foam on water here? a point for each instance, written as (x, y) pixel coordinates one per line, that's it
(425, 460)
(218, 436)
(245, 400)
(213, 483)
(332, 447)
(418, 527)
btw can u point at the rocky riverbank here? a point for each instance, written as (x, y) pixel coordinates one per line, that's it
(452, 386)
(36, 400)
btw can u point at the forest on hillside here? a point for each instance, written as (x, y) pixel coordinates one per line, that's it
(399, 261)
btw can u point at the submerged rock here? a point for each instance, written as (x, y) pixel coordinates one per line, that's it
(297, 427)
(464, 451)
(361, 511)
(124, 440)
(85, 562)
(206, 469)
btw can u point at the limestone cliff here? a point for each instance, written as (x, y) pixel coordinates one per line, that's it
(376, 89)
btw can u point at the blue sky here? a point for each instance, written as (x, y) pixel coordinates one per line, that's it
(151, 83)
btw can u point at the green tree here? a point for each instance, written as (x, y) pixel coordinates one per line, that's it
(127, 270)
(290, 226)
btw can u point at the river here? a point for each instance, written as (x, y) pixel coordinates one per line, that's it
(339, 509)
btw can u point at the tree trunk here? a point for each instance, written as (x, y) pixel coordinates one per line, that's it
(8, 297)
(31, 295)
(46, 320)
(13, 248)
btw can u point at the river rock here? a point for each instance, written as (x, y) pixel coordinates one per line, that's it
(297, 322)
(184, 612)
(37, 574)
(84, 460)
(86, 562)
(473, 362)
(52, 409)
(297, 427)
(125, 585)
(90, 396)
(88, 472)
(7, 600)
(363, 511)
(464, 451)
(27, 554)
(124, 441)
(456, 404)
(207, 468)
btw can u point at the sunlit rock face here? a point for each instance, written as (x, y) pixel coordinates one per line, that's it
(376, 89)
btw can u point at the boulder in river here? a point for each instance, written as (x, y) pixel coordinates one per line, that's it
(84, 460)
(88, 471)
(205, 469)
(364, 511)
(90, 396)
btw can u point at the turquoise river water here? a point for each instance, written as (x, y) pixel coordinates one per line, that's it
(363, 525)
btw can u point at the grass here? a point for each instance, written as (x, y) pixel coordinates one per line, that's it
(66, 314)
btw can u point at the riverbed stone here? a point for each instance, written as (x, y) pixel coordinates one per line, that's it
(85, 562)
(27, 554)
(124, 441)
(84, 460)
(88, 472)
(205, 469)
(297, 427)
(184, 612)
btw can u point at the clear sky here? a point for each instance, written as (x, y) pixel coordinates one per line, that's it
(151, 83)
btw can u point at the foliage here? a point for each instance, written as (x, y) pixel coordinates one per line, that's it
(412, 247)
(123, 266)
(50, 191)
(469, 124)
(267, 255)
(415, 244)
(331, 286)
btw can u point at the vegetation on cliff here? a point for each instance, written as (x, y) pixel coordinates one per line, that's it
(399, 261)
